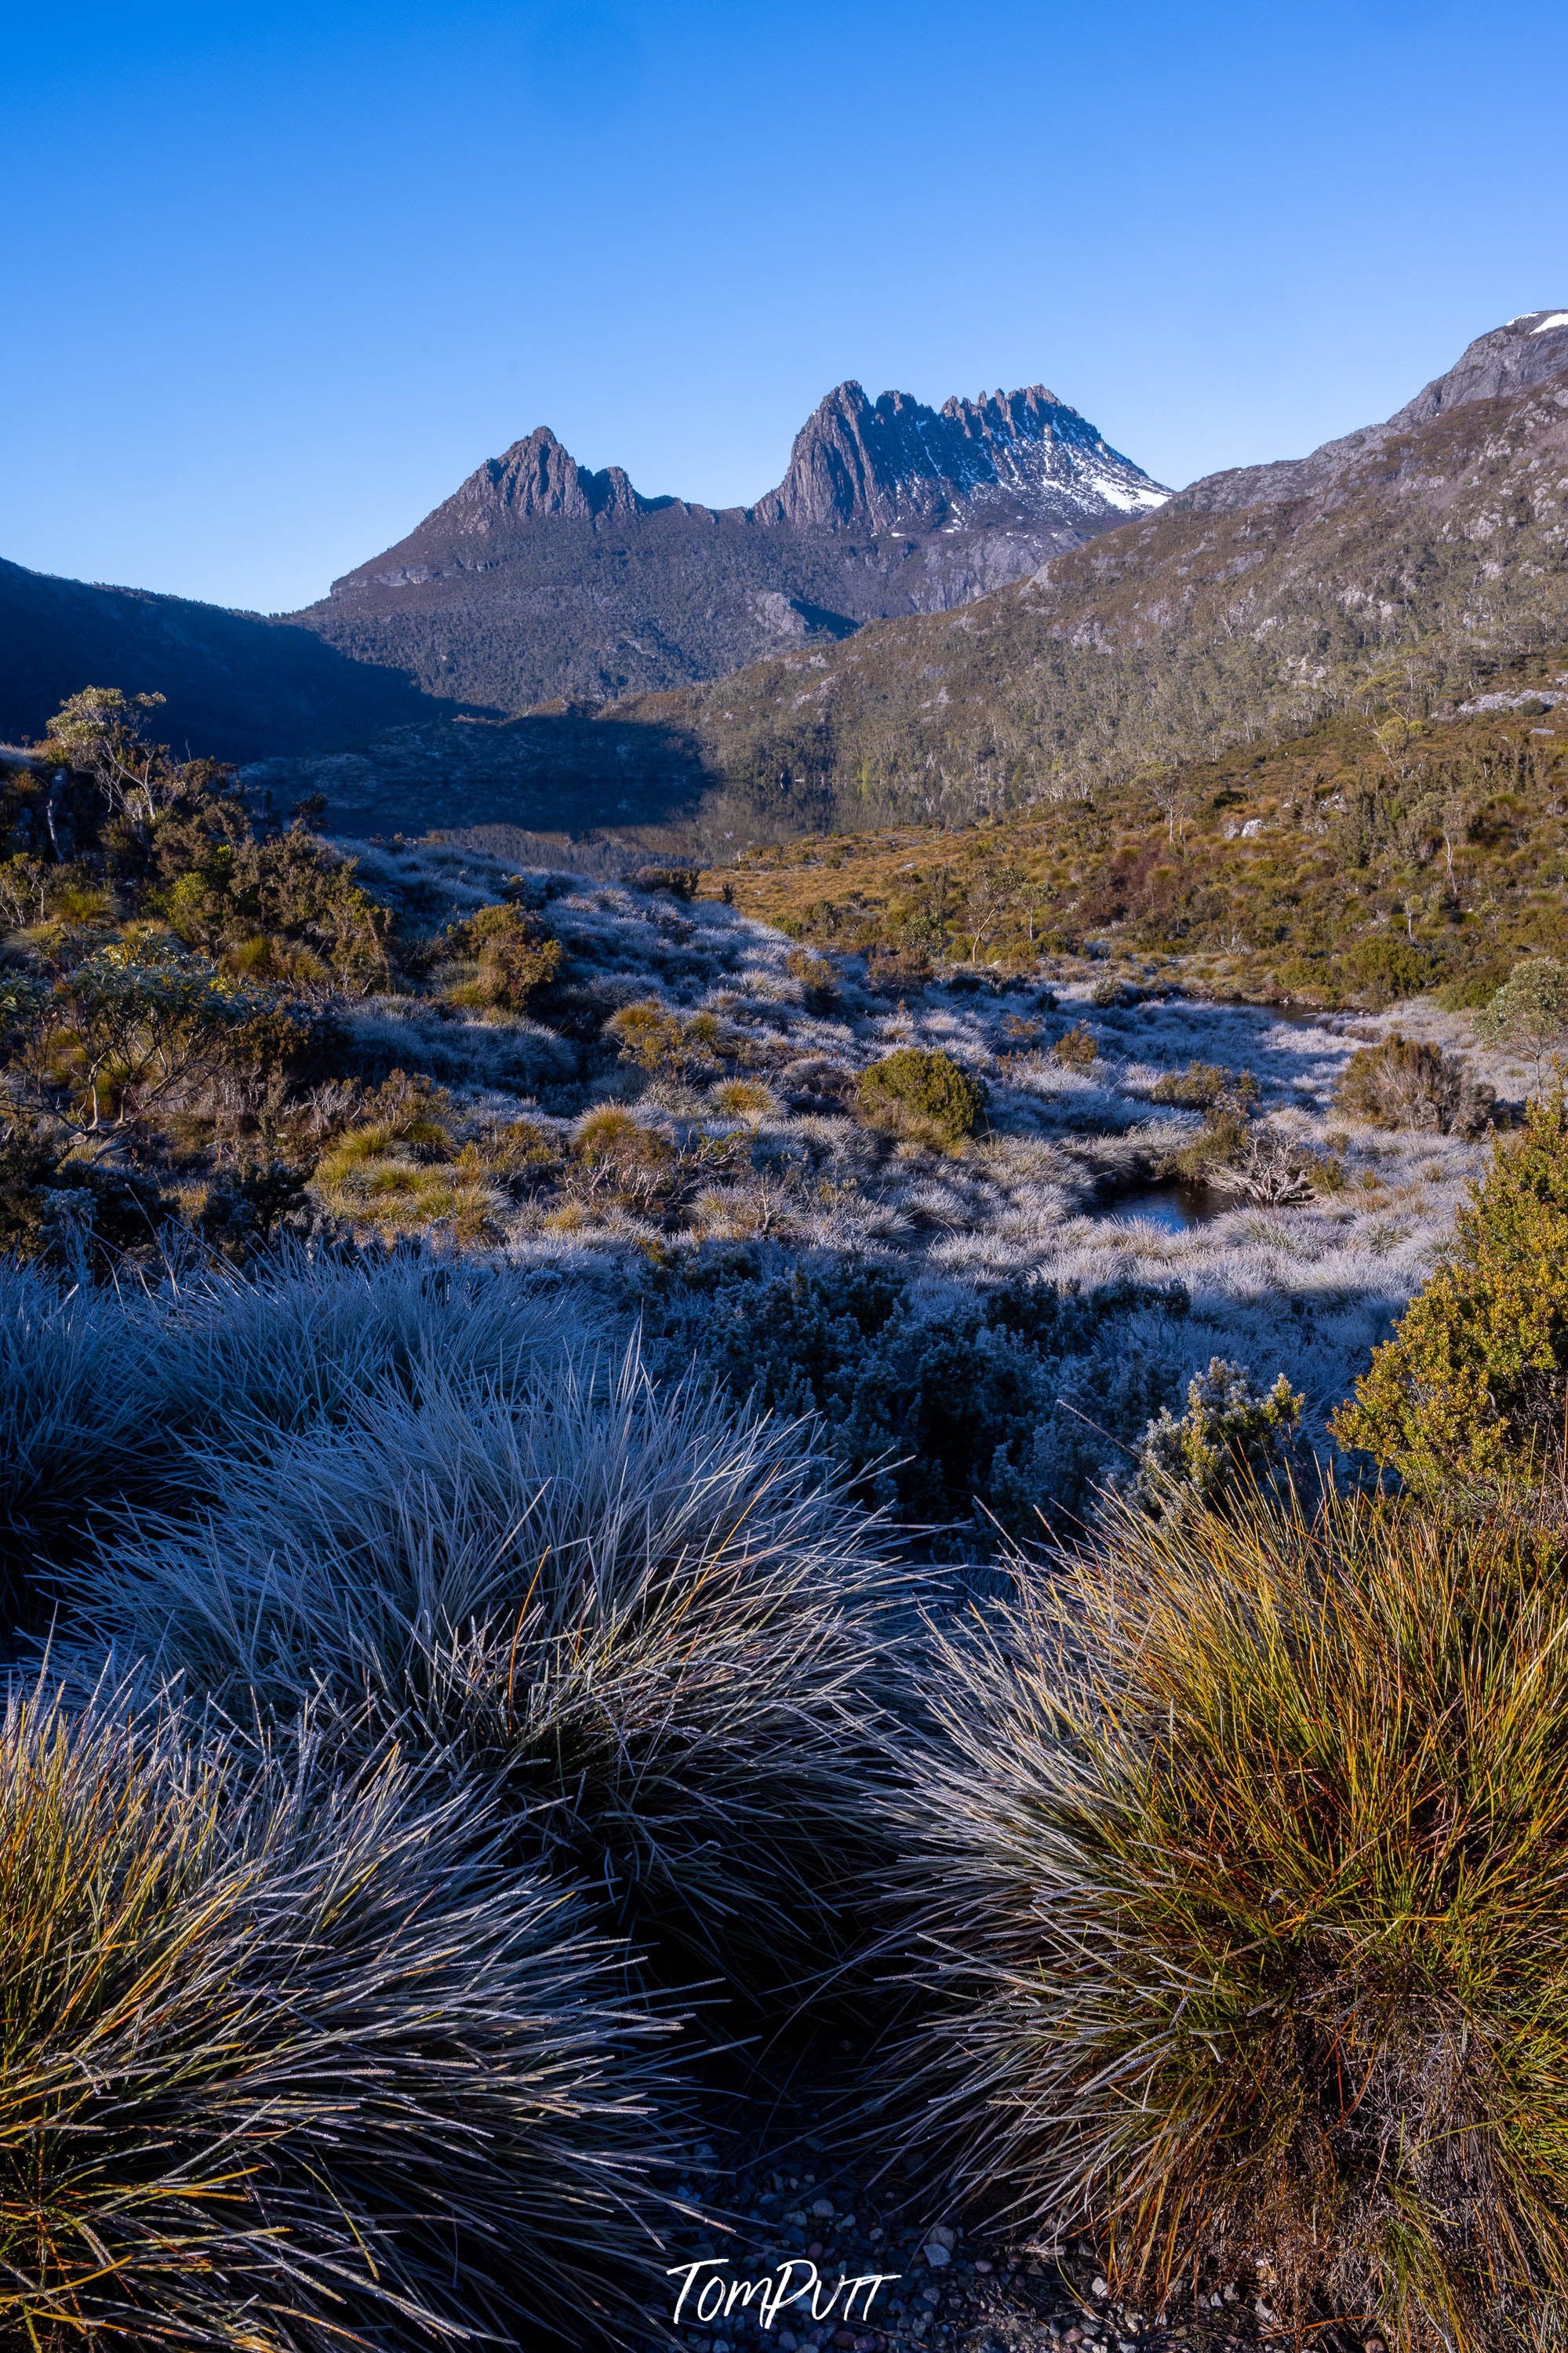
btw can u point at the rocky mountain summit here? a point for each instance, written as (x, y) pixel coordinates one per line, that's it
(1510, 361)
(539, 579)
(893, 465)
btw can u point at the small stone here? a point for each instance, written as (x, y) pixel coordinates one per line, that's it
(814, 2249)
(982, 2265)
(798, 2218)
(944, 2236)
(931, 2295)
(936, 2255)
(1101, 2288)
(822, 2208)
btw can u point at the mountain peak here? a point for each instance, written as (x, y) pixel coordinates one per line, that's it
(1513, 358)
(1524, 352)
(538, 477)
(892, 465)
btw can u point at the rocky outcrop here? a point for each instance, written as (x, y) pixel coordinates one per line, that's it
(893, 465)
(1529, 351)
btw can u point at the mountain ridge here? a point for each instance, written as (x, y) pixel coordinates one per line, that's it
(539, 578)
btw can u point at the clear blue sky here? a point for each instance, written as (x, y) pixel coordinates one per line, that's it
(276, 277)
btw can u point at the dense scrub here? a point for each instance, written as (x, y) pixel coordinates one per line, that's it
(1397, 848)
(1471, 1387)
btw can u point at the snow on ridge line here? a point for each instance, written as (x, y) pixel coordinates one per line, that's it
(1556, 319)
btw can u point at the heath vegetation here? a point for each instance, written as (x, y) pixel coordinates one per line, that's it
(589, 1479)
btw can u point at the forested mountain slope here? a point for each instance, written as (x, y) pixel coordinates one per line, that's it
(1251, 601)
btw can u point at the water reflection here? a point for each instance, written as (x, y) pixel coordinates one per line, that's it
(1173, 1204)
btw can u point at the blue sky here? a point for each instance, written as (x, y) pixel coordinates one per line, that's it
(276, 277)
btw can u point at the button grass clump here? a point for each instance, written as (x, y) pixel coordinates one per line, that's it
(655, 1620)
(291, 2063)
(1237, 1873)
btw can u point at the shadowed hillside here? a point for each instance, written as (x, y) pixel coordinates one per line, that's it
(238, 686)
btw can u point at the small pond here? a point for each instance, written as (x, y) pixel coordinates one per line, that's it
(1171, 1204)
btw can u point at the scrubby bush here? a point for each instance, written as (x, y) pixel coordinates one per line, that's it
(1202, 1084)
(1383, 971)
(958, 1413)
(1077, 1048)
(817, 978)
(1111, 989)
(1529, 1012)
(674, 882)
(1475, 1379)
(287, 2062)
(1236, 1871)
(1233, 1432)
(1404, 1083)
(898, 972)
(1271, 1169)
(648, 1035)
(655, 1620)
(924, 1092)
(516, 957)
(1224, 1141)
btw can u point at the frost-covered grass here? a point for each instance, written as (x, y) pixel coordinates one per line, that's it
(754, 1138)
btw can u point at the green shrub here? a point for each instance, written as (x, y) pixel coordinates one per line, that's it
(516, 955)
(818, 977)
(288, 2062)
(898, 972)
(649, 1035)
(1385, 970)
(1202, 1085)
(1404, 1083)
(1223, 1141)
(1529, 1012)
(1231, 1433)
(1237, 1876)
(1075, 1048)
(925, 1092)
(674, 881)
(1473, 1382)
(1469, 991)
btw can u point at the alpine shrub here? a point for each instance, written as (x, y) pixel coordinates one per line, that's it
(1404, 1083)
(1473, 1383)
(925, 1092)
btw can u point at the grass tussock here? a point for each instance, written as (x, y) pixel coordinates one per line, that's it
(656, 1622)
(1238, 1874)
(289, 2064)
